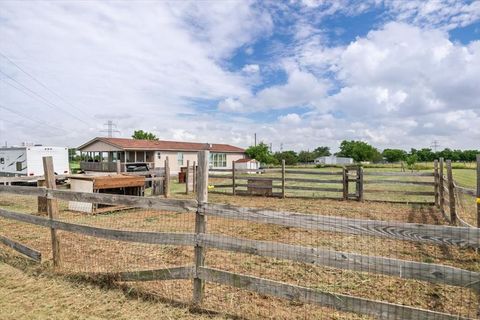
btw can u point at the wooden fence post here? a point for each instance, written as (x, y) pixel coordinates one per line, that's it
(119, 167)
(283, 179)
(166, 182)
(451, 193)
(435, 179)
(360, 183)
(187, 177)
(233, 178)
(478, 190)
(52, 207)
(194, 177)
(345, 183)
(41, 201)
(441, 183)
(200, 224)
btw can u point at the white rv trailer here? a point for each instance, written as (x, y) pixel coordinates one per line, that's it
(27, 161)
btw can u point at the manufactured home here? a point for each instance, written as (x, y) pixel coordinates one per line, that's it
(27, 160)
(101, 154)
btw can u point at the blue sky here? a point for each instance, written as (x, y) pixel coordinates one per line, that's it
(300, 74)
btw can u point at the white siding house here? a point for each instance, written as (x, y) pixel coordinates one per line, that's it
(333, 160)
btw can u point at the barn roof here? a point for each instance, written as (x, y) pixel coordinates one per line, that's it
(135, 144)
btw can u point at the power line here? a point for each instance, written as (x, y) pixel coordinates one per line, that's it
(435, 145)
(47, 102)
(111, 128)
(29, 118)
(40, 83)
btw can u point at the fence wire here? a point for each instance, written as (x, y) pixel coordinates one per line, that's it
(375, 257)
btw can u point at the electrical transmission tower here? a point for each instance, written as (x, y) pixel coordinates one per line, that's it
(111, 128)
(435, 145)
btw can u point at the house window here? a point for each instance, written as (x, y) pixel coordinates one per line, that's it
(218, 160)
(180, 158)
(159, 156)
(19, 166)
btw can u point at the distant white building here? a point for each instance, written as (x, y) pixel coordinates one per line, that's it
(333, 160)
(247, 164)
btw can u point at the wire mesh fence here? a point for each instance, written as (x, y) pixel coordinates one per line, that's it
(299, 259)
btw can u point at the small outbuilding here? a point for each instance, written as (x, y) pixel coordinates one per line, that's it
(247, 164)
(334, 160)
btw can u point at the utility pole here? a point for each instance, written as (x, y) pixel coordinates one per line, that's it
(435, 145)
(255, 139)
(111, 128)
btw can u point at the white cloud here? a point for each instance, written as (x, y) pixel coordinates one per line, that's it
(251, 68)
(291, 118)
(230, 105)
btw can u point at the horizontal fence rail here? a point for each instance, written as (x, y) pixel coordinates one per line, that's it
(170, 238)
(435, 234)
(430, 272)
(23, 249)
(176, 205)
(382, 310)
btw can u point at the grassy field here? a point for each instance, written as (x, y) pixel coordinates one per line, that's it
(24, 295)
(87, 254)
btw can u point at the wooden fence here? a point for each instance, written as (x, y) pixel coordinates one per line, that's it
(348, 183)
(200, 239)
(447, 191)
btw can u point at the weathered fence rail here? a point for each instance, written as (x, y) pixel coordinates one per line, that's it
(200, 240)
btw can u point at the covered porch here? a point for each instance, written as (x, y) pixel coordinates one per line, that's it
(106, 161)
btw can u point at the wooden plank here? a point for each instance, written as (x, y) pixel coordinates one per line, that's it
(312, 180)
(437, 182)
(451, 194)
(187, 177)
(225, 185)
(166, 184)
(382, 310)
(200, 225)
(174, 273)
(24, 191)
(170, 238)
(360, 184)
(420, 183)
(467, 191)
(176, 205)
(404, 269)
(441, 189)
(52, 208)
(283, 178)
(233, 177)
(345, 184)
(320, 173)
(409, 193)
(255, 178)
(313, 189)
(399, 174)
(435, 234)
(23, 249)
(224, 176)
(478, 190)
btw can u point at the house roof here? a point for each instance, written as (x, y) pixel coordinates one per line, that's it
(134, 144)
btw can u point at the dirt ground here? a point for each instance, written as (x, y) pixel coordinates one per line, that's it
(87, 254)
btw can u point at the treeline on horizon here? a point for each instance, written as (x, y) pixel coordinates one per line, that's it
(359, 151)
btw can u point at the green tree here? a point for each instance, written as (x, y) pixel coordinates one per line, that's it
(321, 152)
(359, 151)
(394, 155)
(306, 156)
(143, 135)
(411, 160)
(290, 157)
(261, 152)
